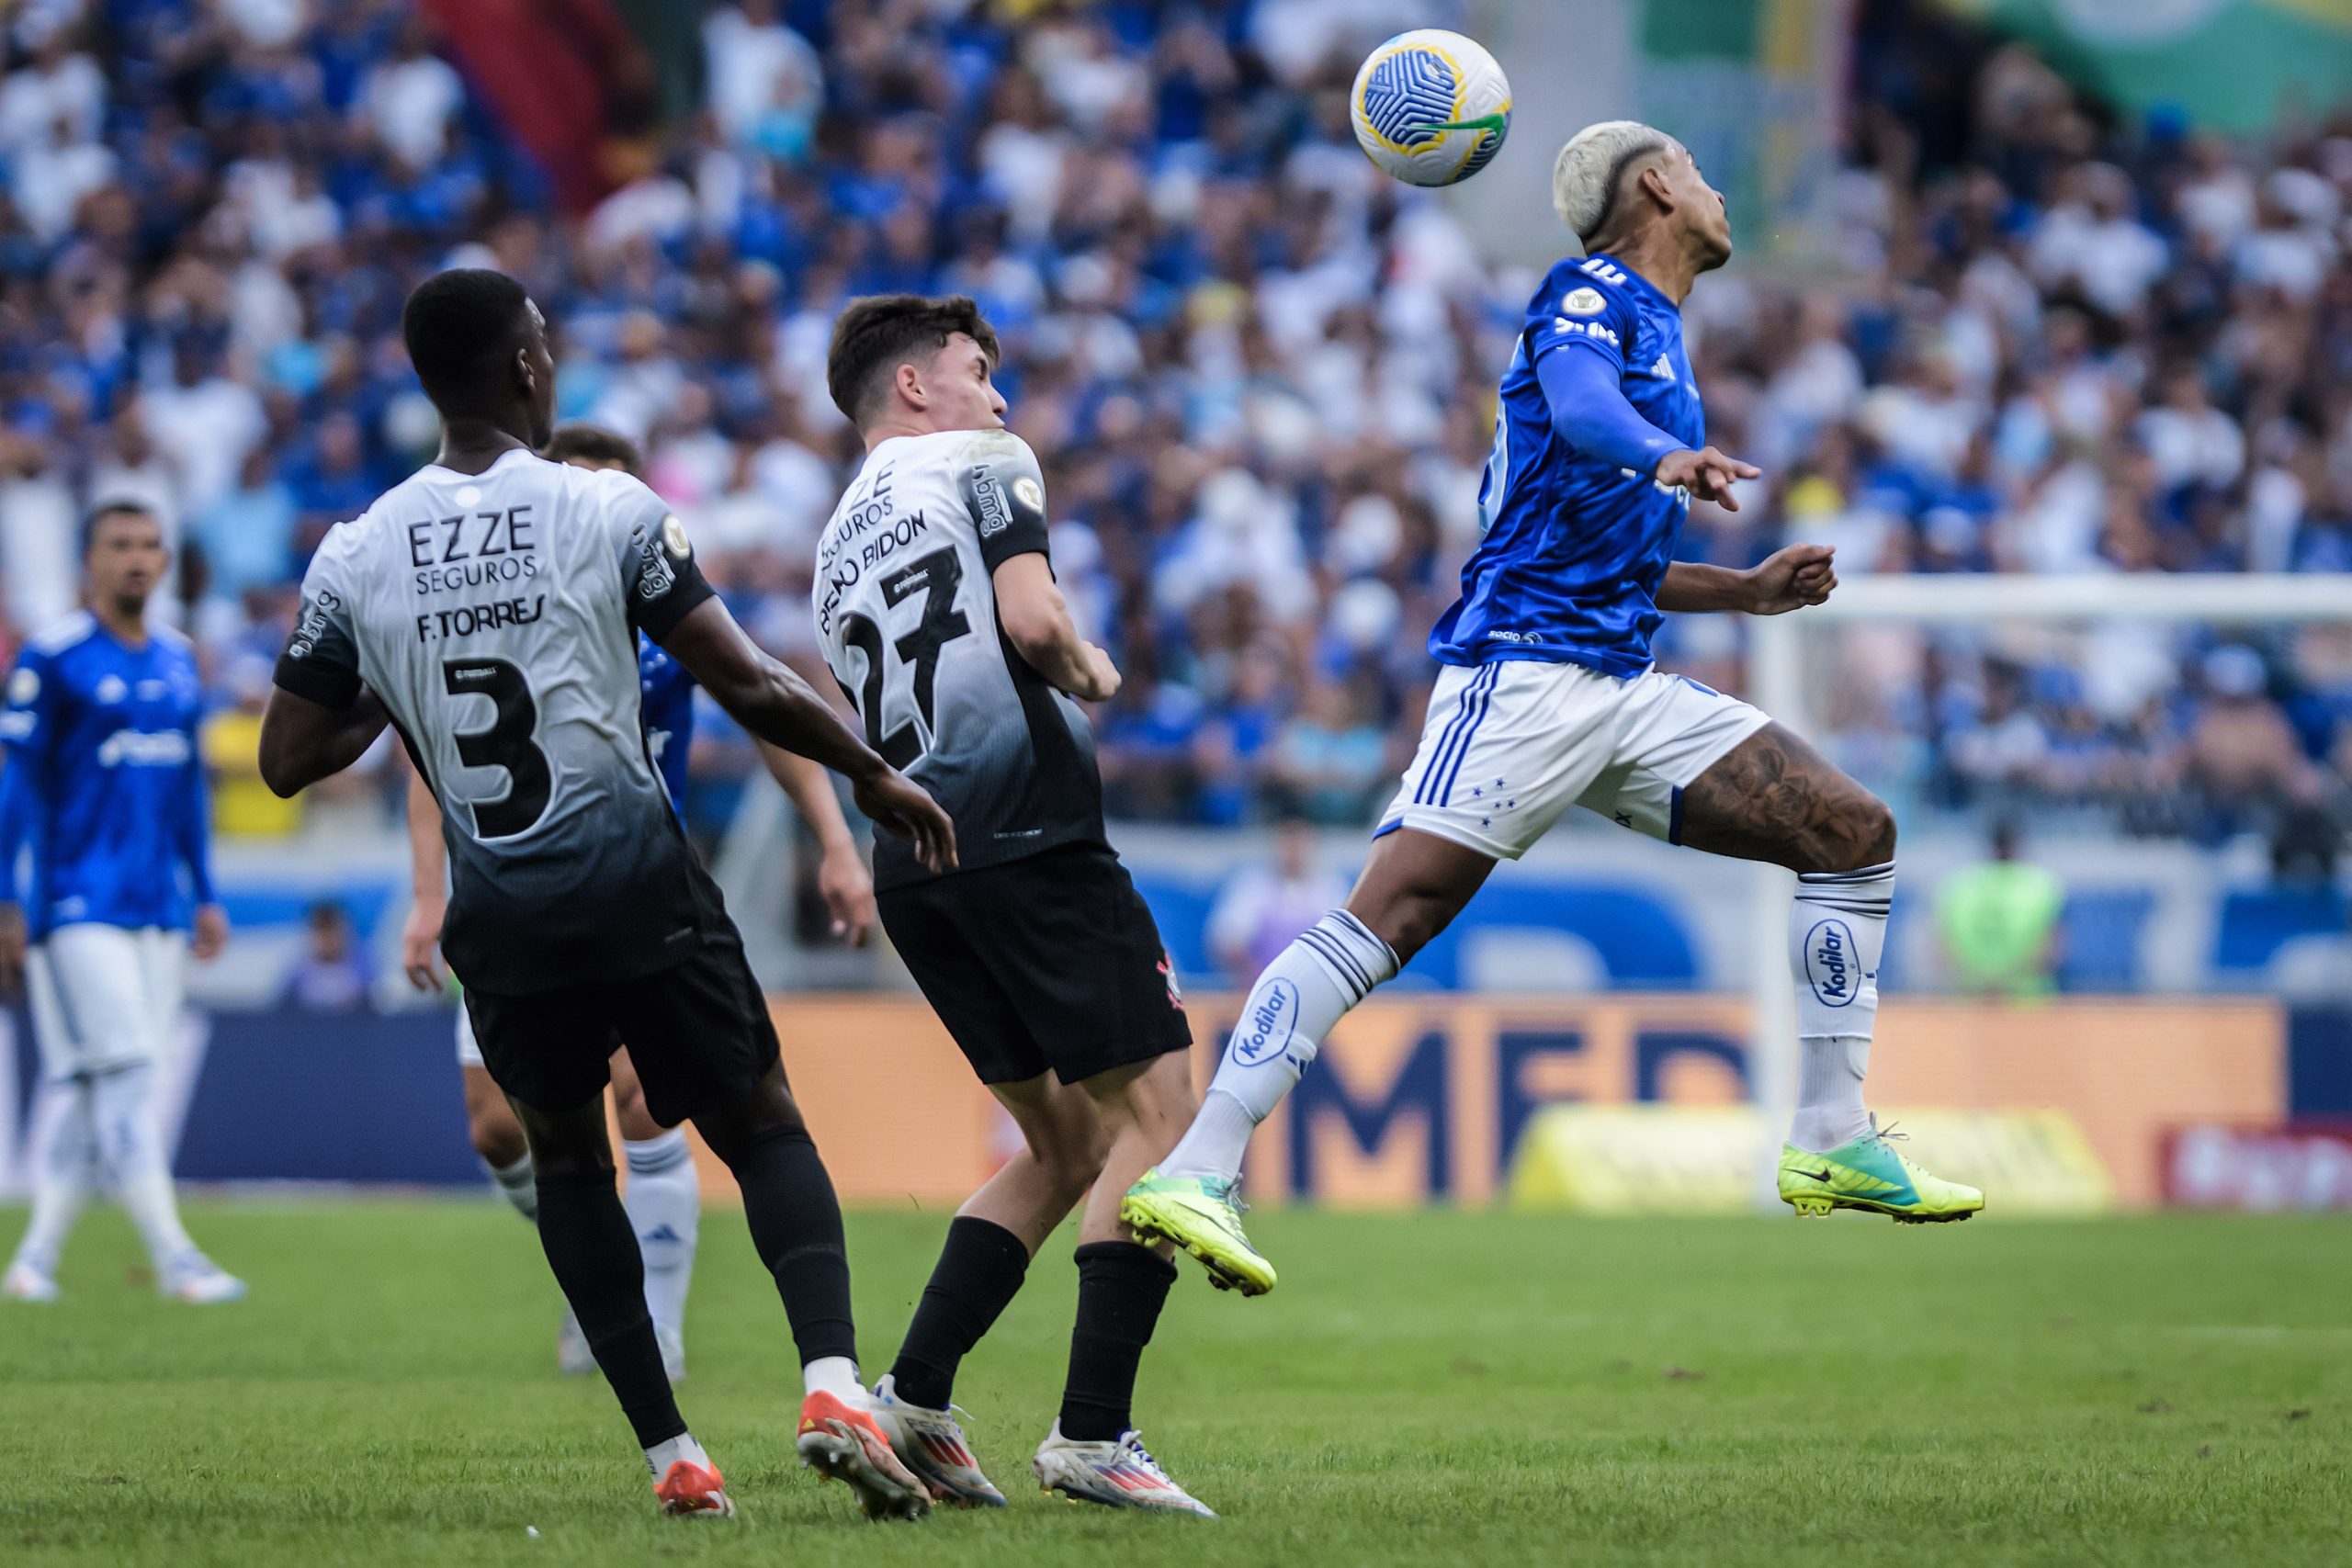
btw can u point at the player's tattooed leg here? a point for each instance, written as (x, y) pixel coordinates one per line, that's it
(1774, 798)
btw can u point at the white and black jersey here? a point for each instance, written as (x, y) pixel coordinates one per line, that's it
(495, 616)
(906, 614)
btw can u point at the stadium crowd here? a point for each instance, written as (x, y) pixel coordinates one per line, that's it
(1260, 376)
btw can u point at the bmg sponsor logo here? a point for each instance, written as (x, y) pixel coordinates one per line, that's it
(1829, 963)
(1265, 1030)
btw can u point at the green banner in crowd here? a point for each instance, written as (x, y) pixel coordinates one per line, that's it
(2233, 65)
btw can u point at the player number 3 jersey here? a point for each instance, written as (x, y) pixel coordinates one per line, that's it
(495, 616)
(905, 601)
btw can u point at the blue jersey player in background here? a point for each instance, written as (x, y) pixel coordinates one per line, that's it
(1547, 698)
(104, 836)
(664, 1193)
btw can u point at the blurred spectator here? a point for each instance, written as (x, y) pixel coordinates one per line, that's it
(1260, 376)
(1999, 921)
(1263, 906)
(334, 974)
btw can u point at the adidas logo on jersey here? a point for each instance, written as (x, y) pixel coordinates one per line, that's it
(1663, 370)
(1595, 267)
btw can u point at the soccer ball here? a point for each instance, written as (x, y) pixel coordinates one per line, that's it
(1431, 108)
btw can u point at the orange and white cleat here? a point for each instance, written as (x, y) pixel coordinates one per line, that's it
(692, 1490)
(841, 1442)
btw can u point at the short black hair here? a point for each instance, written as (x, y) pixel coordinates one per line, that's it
(459, 325)
(124, 506)
(594, 443)
(875, 335)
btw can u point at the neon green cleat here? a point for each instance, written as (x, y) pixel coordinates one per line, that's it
(1203, 1217)
(1868, 1175)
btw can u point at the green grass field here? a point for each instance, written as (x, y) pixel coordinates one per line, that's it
(1427, 1388)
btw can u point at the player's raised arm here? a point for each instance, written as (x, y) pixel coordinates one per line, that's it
(1579, 359)
(1788, 579)
(1037, 618)
(1005, 493)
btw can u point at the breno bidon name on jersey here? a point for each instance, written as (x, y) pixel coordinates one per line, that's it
(866, 533)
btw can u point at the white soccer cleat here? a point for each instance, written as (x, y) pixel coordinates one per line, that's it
(1118, 1476)
(24, 1282)
(931, 1443)
(200, 1281)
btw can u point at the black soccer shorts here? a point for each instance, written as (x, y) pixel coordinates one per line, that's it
(1052, 961)
(696, 1032)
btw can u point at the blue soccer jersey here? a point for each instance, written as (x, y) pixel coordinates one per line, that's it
(668, 705)
(1576, 534)
(103, 785)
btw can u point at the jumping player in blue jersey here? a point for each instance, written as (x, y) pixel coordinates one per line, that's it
(1548, 699)
(664, 1193)
(104, 804)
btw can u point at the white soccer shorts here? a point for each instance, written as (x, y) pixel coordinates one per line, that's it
(104, 998)
(469, 1048)
(1511, 745)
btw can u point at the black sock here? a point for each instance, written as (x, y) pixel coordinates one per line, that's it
(592, 1249)
(979, 1270)
(1120, 1288)
(797, 1225)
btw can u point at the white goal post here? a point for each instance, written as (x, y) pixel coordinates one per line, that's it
(1777, 685)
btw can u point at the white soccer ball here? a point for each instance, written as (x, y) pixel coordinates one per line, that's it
(1431, 108)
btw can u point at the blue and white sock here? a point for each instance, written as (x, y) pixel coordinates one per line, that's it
(1837, 935)
(664, 1204)
(1310, 987)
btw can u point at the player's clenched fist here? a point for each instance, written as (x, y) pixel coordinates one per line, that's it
(1706, 473)
(1793, 578)
(1102, 677)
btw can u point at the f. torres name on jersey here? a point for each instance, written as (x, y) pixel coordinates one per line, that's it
(496, 617)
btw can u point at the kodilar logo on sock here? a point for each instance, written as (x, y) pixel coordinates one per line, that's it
(1829, 963)
(1265, 1032)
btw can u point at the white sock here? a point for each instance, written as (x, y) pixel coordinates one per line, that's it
(836, 1375)
(66, 1169)
(1305, 990)
(520, 1184)
(661, 1456)
(131, 1147)
(664, 1204)
(1836, 934)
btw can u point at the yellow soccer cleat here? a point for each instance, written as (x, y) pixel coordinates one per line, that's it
(1203, 1217)
(1868, 1175)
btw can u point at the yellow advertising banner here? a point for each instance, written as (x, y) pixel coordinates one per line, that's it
(1427, 1097)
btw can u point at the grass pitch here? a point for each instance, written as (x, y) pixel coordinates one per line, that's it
(1426, 1387)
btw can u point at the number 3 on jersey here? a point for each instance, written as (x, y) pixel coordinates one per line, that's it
(508, 743)
(887, 684)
